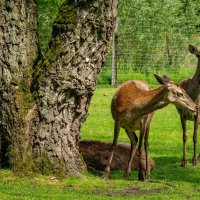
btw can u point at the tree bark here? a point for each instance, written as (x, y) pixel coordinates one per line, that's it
(18, 52)
(48, 119)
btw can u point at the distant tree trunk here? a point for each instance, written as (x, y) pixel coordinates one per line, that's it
(114, 55)
(169, 51)
(41, 117)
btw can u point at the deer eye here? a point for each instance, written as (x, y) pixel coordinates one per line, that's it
(179, 94)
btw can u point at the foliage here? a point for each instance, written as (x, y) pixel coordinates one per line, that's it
(155, 34)
(47, 11)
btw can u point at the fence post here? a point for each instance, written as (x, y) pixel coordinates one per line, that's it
(114, 55)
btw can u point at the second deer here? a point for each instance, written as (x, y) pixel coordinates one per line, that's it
(192, 88)
(132, 109)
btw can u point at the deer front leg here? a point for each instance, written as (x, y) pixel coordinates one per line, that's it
(114, 144)
(183, 123)
(194, 161)
(146, 144)
(133, 140)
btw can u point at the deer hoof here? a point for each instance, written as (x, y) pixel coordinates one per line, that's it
(147, 176)
(141, 176)
(184, 163)
(105, 175)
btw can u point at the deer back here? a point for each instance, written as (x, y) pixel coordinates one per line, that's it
(128, 97)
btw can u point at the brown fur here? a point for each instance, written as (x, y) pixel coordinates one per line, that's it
(96, 153)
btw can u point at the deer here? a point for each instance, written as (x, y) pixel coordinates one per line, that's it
(192, 88)
(132, 109)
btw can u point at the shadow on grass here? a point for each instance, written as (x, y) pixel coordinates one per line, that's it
(169, 169)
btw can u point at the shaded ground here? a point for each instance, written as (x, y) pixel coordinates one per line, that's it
(96, 153)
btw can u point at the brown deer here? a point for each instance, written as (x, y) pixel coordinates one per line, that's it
(132, 109)
(192, 88)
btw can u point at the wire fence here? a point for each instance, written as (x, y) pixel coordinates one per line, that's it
(147, 48)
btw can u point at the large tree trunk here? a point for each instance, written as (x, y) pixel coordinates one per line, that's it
(18, 52)
(44, 132)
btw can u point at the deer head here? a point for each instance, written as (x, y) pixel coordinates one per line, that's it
(176, 94)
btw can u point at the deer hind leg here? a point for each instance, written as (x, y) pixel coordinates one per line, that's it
(114, 144)
(184, 160)
(133, 139)
(194, 161)
(141, 139)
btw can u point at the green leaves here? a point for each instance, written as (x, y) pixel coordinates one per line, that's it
(47, 11)
(155, 34)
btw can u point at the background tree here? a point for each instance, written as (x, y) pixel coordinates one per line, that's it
(159, 29)
(154, 36)
(45, 99)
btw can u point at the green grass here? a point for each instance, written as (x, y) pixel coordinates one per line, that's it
(171, 180)
(123, 75)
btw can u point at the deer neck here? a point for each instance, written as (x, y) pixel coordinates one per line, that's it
(196, 76)
(195, 86)
(154, 100)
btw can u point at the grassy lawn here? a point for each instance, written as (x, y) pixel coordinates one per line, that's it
(168, 179)
(165, 147)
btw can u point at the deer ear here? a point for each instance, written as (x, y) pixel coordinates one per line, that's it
(159, 79)
(162, 80)
(166, 79)
(192, 49)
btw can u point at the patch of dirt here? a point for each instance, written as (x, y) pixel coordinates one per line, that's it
(136, 190)
(130, 191)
